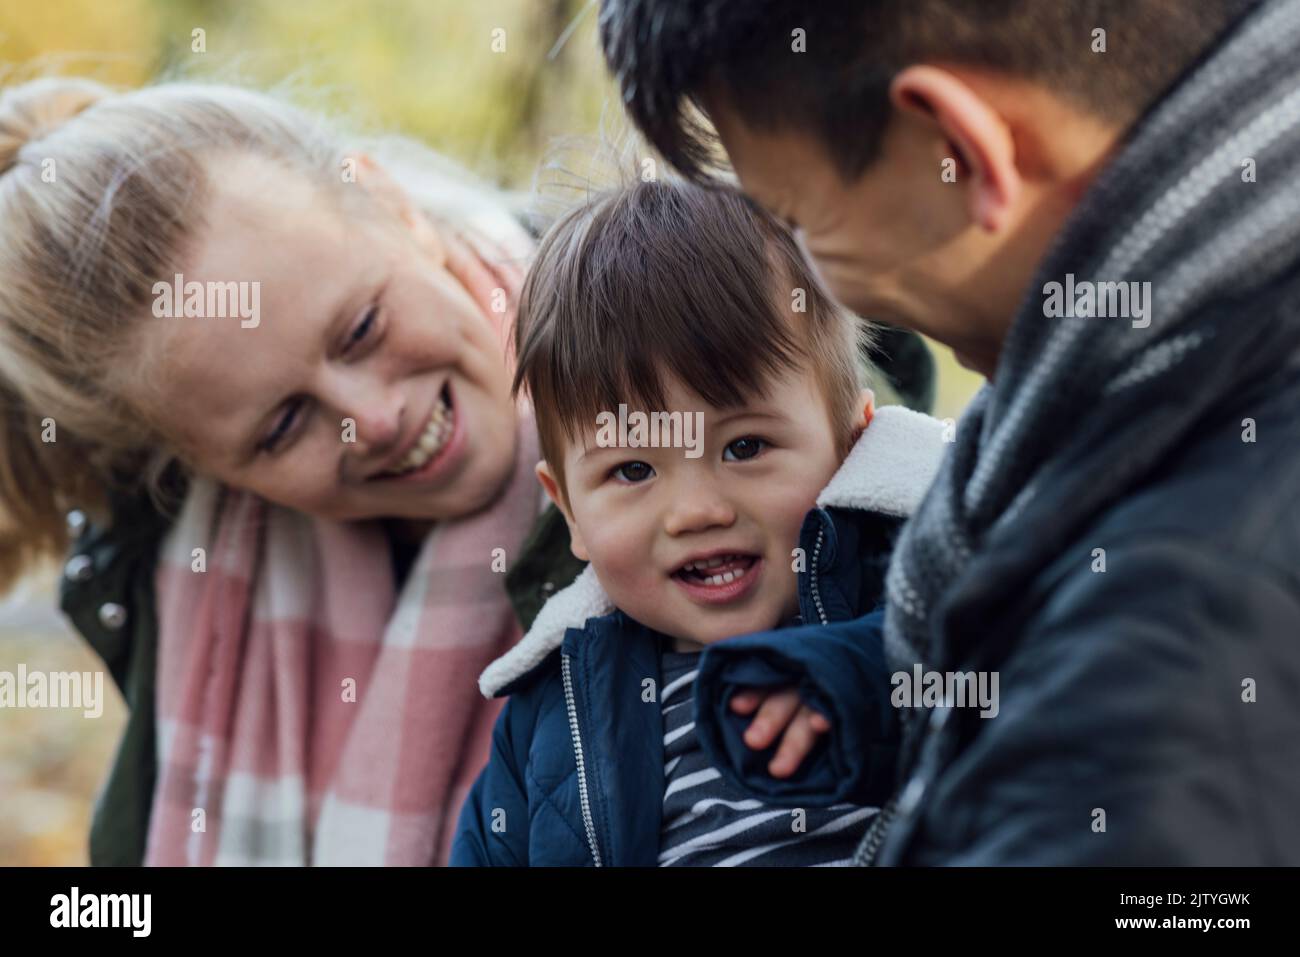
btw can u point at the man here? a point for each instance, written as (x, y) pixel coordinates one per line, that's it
(1097, 206)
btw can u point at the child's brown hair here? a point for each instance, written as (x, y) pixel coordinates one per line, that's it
(670, 278)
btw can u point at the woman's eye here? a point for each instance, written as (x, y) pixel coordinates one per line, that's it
(363, 328)
(633, 472)
(742, 449)
(282, 427)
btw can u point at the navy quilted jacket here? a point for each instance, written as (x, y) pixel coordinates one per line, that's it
(576, 772)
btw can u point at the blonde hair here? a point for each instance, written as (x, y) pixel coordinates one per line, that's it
(99, 192)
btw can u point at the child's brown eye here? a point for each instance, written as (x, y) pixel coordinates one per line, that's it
(633, 472)
(742, 449)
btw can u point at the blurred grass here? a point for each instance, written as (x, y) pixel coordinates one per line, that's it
(422, 67)
(52, 761)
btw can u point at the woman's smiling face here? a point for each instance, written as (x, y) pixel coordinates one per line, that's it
(373, 384)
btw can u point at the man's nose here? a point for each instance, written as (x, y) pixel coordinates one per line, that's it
(697, 506)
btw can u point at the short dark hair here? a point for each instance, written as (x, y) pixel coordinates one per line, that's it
(670, 279)
(666, 53)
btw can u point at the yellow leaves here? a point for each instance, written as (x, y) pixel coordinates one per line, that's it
(113, 42)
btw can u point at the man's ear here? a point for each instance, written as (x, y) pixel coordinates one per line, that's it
(983, 140)
(552, 487)
(374, 179)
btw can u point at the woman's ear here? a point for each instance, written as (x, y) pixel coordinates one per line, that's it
(980, 136)
(552, 487)
(388, 193)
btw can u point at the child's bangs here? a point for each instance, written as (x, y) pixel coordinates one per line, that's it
(635, 362)
(664, 283)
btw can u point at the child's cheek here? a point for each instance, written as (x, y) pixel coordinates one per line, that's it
(621, 551)
(788, 511)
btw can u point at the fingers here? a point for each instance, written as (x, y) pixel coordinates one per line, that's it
(800, 737)
(505, 270)
(780, 711)
(774, 714)
(481, 277)
(468, 268)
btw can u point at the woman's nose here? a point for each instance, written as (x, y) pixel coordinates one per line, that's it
(378, 416)
(697, 507)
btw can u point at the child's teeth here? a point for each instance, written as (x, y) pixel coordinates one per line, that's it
(702, 565)
(725, 578)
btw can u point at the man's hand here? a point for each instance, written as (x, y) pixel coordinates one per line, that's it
(778, 711)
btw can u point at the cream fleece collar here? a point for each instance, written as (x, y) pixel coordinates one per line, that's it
(888, 471)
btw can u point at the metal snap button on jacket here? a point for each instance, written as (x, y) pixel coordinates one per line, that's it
(79, 568)
(112, 615)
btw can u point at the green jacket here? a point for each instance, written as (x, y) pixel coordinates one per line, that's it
(107, 592)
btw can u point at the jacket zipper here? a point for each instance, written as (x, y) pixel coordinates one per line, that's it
(812, 579)
(865, 855)
(583, 797)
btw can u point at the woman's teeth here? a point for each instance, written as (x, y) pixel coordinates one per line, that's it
(699, 570)
(442, 423)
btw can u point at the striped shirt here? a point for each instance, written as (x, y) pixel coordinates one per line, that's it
(709, 823)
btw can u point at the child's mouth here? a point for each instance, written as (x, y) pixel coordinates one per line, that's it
(719, 578)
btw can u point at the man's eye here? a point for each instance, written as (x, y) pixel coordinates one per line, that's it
(633, 472)
(363, 328)
(282, 427)
(741, 449)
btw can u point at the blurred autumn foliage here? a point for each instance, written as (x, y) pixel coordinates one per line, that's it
(427, 68)
(434, 69)
(51, 760)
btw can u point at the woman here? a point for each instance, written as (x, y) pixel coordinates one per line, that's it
(298, 506)
(309, 709)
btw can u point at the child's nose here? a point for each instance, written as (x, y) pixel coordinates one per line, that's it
(697, 507)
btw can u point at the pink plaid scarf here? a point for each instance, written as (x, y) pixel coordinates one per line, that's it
(307, 713)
